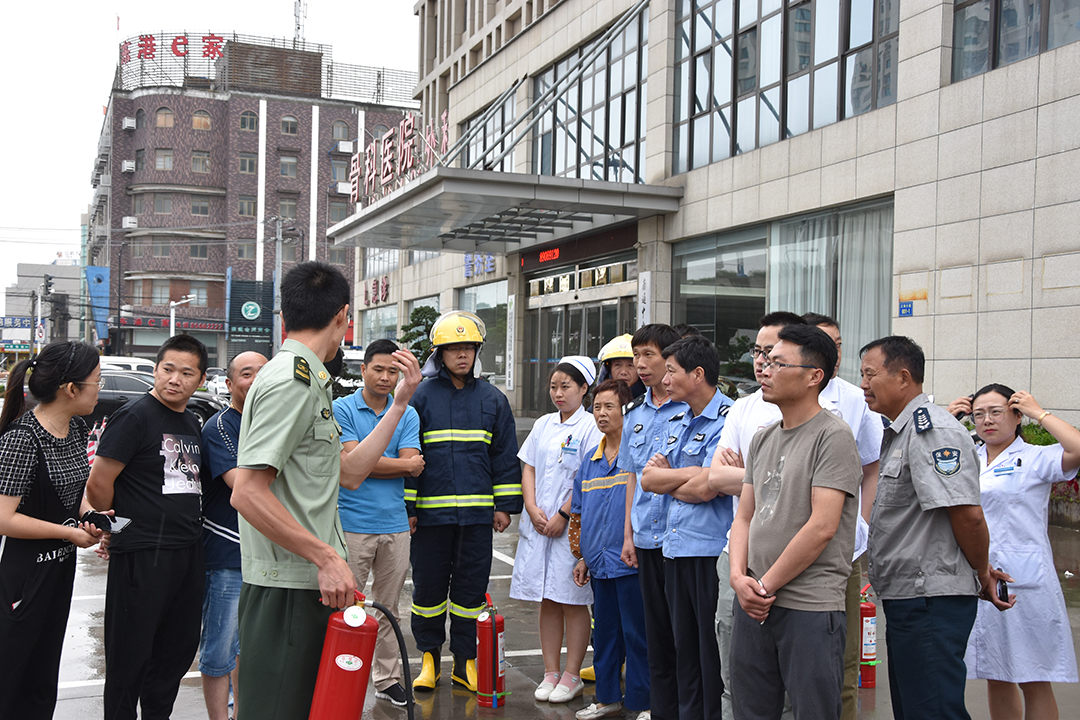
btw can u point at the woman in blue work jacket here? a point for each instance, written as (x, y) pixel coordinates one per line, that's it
(544, 565)
(1030, 645)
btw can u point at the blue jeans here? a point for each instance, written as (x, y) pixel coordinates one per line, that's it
(220, 643)
(926, 638)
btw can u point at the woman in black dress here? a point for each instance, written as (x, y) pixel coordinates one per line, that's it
(43, 472)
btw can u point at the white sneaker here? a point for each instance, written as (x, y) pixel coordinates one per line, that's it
(645, 715)
(566, 693)
(544, 689)
(595, 711)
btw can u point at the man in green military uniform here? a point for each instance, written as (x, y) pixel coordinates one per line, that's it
(290, 463)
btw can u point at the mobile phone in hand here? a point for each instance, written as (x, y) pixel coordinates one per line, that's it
(1002, 589)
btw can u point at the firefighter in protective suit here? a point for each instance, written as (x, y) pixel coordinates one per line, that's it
(471, 483)
(617, 362)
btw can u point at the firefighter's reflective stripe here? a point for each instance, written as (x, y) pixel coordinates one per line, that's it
(465, 612)
(508, 490)
(429, 611)
(438, 436)
(448, 501)
(410, 494)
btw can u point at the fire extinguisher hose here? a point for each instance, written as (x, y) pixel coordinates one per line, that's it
(405, 673)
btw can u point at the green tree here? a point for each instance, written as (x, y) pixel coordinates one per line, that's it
(415, 335)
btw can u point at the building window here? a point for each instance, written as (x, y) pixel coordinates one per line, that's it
(339, 210)
(200, 120)
(245, 249)
(162, 203)
(249, 121)
(380, 130)
(140, 159)
(596, 129)
(418, 256)
(198, 289)
(158, 247)
(287, 208)
(288, 166)
(288, 253)
(140, 119)
(164, 118)
(290, 125)
(135, 288)
(249, 163)
(380, 323)
(339, 171)
(488, 302)
(337, 255)
(159, 292)
(200, 205)
(200, 161)
(339, 130)
(485, 139)
(247, 205)
(200, 251)
(993, 33)
(431, 302)
(137, 205)
(798, 65)
(379, 261)
(163, 158)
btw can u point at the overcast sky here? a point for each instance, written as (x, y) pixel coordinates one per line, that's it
(59, 58)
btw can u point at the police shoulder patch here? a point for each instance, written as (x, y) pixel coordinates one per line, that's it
(947, 461)
(922, 420)
(679, 416)
(301, 370)
(724, 410)
(636, 402)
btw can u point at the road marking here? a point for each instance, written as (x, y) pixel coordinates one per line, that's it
(501, 556)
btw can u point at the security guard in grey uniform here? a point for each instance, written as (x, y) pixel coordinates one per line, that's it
(928, 537)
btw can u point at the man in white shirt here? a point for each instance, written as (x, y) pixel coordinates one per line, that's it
(752, 413)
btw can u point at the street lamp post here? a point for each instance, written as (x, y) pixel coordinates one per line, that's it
(172, 311)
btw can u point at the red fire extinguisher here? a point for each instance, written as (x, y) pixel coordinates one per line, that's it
(346, 663)
(490, 657)
(868, 655)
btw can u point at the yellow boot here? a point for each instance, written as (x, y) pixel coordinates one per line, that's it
(430, 672)
(588, 674)
(464, 673)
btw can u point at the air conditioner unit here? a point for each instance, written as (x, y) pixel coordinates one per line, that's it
(127, 166)
(341, 188)
(345, 146)
(127, 123)
(130, 222)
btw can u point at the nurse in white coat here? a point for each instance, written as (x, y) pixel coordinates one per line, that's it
(1031, 644)
(544, 565)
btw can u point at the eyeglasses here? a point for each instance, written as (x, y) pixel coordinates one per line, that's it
(760, 352)
(995, 414)
(99, 383)
(775, 365)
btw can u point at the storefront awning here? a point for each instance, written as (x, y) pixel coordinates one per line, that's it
(457, 210)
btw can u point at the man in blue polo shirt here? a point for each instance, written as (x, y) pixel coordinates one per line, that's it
(697, 522)
(376, 525)
(220, 642)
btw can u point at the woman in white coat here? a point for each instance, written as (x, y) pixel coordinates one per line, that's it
(544, 565)
(1030, 645)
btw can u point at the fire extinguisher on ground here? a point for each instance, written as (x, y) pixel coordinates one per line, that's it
(868, 654)
(490, 657)
(345, 667)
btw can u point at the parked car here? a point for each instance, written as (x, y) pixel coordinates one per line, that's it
(122, 387)
(134, 364)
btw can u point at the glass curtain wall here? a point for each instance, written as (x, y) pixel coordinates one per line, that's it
(501, 119)
(489, 303)
(596, 128)
(992, 33)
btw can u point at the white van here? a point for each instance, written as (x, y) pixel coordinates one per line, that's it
(117, 362)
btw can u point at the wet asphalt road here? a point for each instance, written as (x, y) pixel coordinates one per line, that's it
(83, 663)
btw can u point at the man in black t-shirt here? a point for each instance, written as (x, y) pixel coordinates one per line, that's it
(149, 468)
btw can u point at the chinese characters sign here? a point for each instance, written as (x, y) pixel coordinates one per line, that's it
(400, 155)
(16, 323)
(151, 47)
(377, 290)
(477, 264)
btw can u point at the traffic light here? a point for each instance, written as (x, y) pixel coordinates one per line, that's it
(48, 284)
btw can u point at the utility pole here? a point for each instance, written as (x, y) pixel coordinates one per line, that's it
(277, 287)
(37, 321)
(172, 311)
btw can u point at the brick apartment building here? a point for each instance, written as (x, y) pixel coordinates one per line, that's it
(206, 140)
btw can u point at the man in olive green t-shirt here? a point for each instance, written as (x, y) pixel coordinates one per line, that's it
(792, 540)
(289, 466)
